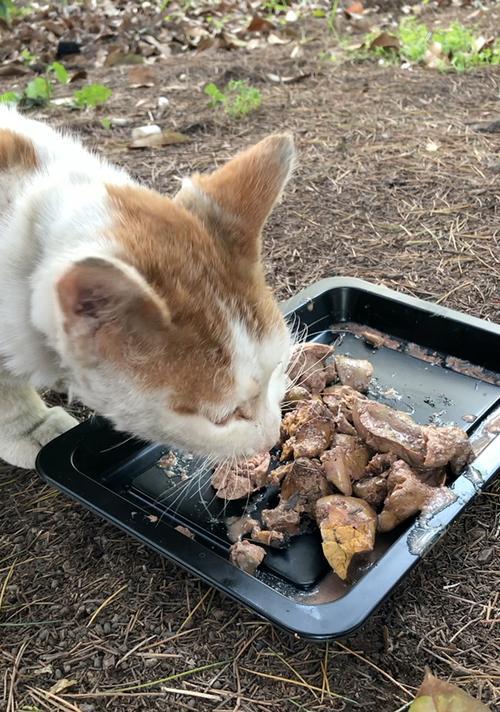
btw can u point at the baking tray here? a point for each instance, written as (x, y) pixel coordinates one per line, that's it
(118, 477)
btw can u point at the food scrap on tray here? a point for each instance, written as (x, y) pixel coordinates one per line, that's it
(346, 465)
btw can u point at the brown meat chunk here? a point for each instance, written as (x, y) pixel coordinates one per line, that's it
(347, 526)
(237, 527)
(389, 430)
(339, 401)
(306, 483)
(345, 463)
(272, 538)
(246, 556)
(447, 445)
(380, 463)
(372, 489)
(240, 480)
(282, 518)
(330, 370)
(306, 367)
(354, 372)
(406, 495)
(184, 530)
(374, 338)
(297, 393)
(310, 428)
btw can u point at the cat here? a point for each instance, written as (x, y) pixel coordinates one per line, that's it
(153, 311)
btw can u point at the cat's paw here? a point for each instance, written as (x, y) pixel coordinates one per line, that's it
(54, 424)
(22, 451)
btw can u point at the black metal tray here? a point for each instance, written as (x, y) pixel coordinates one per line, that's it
(118, 477)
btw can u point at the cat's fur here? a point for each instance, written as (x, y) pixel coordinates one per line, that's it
(152, 311)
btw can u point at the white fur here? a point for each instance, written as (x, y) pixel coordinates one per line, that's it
(49, 220)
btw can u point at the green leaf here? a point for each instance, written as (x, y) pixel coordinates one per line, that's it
(215, 94)
(38, 90)
(106, 123)
(10, 97)
(62, 74)
(91, 95)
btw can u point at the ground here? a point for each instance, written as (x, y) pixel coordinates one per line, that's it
(394, 185)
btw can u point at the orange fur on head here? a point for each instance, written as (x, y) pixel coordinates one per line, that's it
(16, 151)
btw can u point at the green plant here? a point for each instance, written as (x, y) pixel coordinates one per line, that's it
(60, 71)
(7, 9)
(238, 98)
(106, 123)
(215, 94)
(92, 95)
(275, 6)
(28, 57)
(10, 97)
(332, 16)
(38, 91)
(414, 38)
(455, 48)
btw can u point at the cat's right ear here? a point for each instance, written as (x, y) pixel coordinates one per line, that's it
(105, 300)
(234, 202)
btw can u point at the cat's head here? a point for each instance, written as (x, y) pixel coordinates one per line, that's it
(172, 332)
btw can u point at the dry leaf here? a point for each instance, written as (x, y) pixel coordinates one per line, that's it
(167, 138)
(275, 39)
(288, 80)
(437, 695)
(79, 74)
(141, 76)
(61, 685)
(144, 131)
(386, 41)
(118, 57)
(356, 8)
(14, 69)
(258, 24)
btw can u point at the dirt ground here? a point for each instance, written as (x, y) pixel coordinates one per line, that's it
(394, 185)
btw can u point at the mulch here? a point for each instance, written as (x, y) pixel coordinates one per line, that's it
(396, 185)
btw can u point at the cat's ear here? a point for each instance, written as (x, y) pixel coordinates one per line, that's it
(97, 293)
(234, 202)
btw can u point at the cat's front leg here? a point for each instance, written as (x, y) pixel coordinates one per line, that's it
(26, 423)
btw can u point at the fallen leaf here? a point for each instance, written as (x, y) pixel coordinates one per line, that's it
(386, 41)
(275, 39)
(481, 43)
(79, 74)
(144, 131)
(291, 16)
(258, 24)
(118, 57)
(61, 685)
(166, 138)
(141, 76)
(288, 80)
(356, 8)
(435, 695)
(14, 69)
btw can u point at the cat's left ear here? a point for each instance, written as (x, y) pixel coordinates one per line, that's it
(234, 202)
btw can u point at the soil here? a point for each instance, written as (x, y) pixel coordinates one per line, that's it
(393, 185)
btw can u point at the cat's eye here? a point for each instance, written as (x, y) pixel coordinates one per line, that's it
(242, 412)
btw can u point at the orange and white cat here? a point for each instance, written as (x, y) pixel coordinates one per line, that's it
(153, 311)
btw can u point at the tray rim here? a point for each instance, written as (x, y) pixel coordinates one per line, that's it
(321, 621)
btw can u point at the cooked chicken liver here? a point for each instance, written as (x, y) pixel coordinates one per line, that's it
(246, 556)
(240, 480)
(354, 372)
(347, 526)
